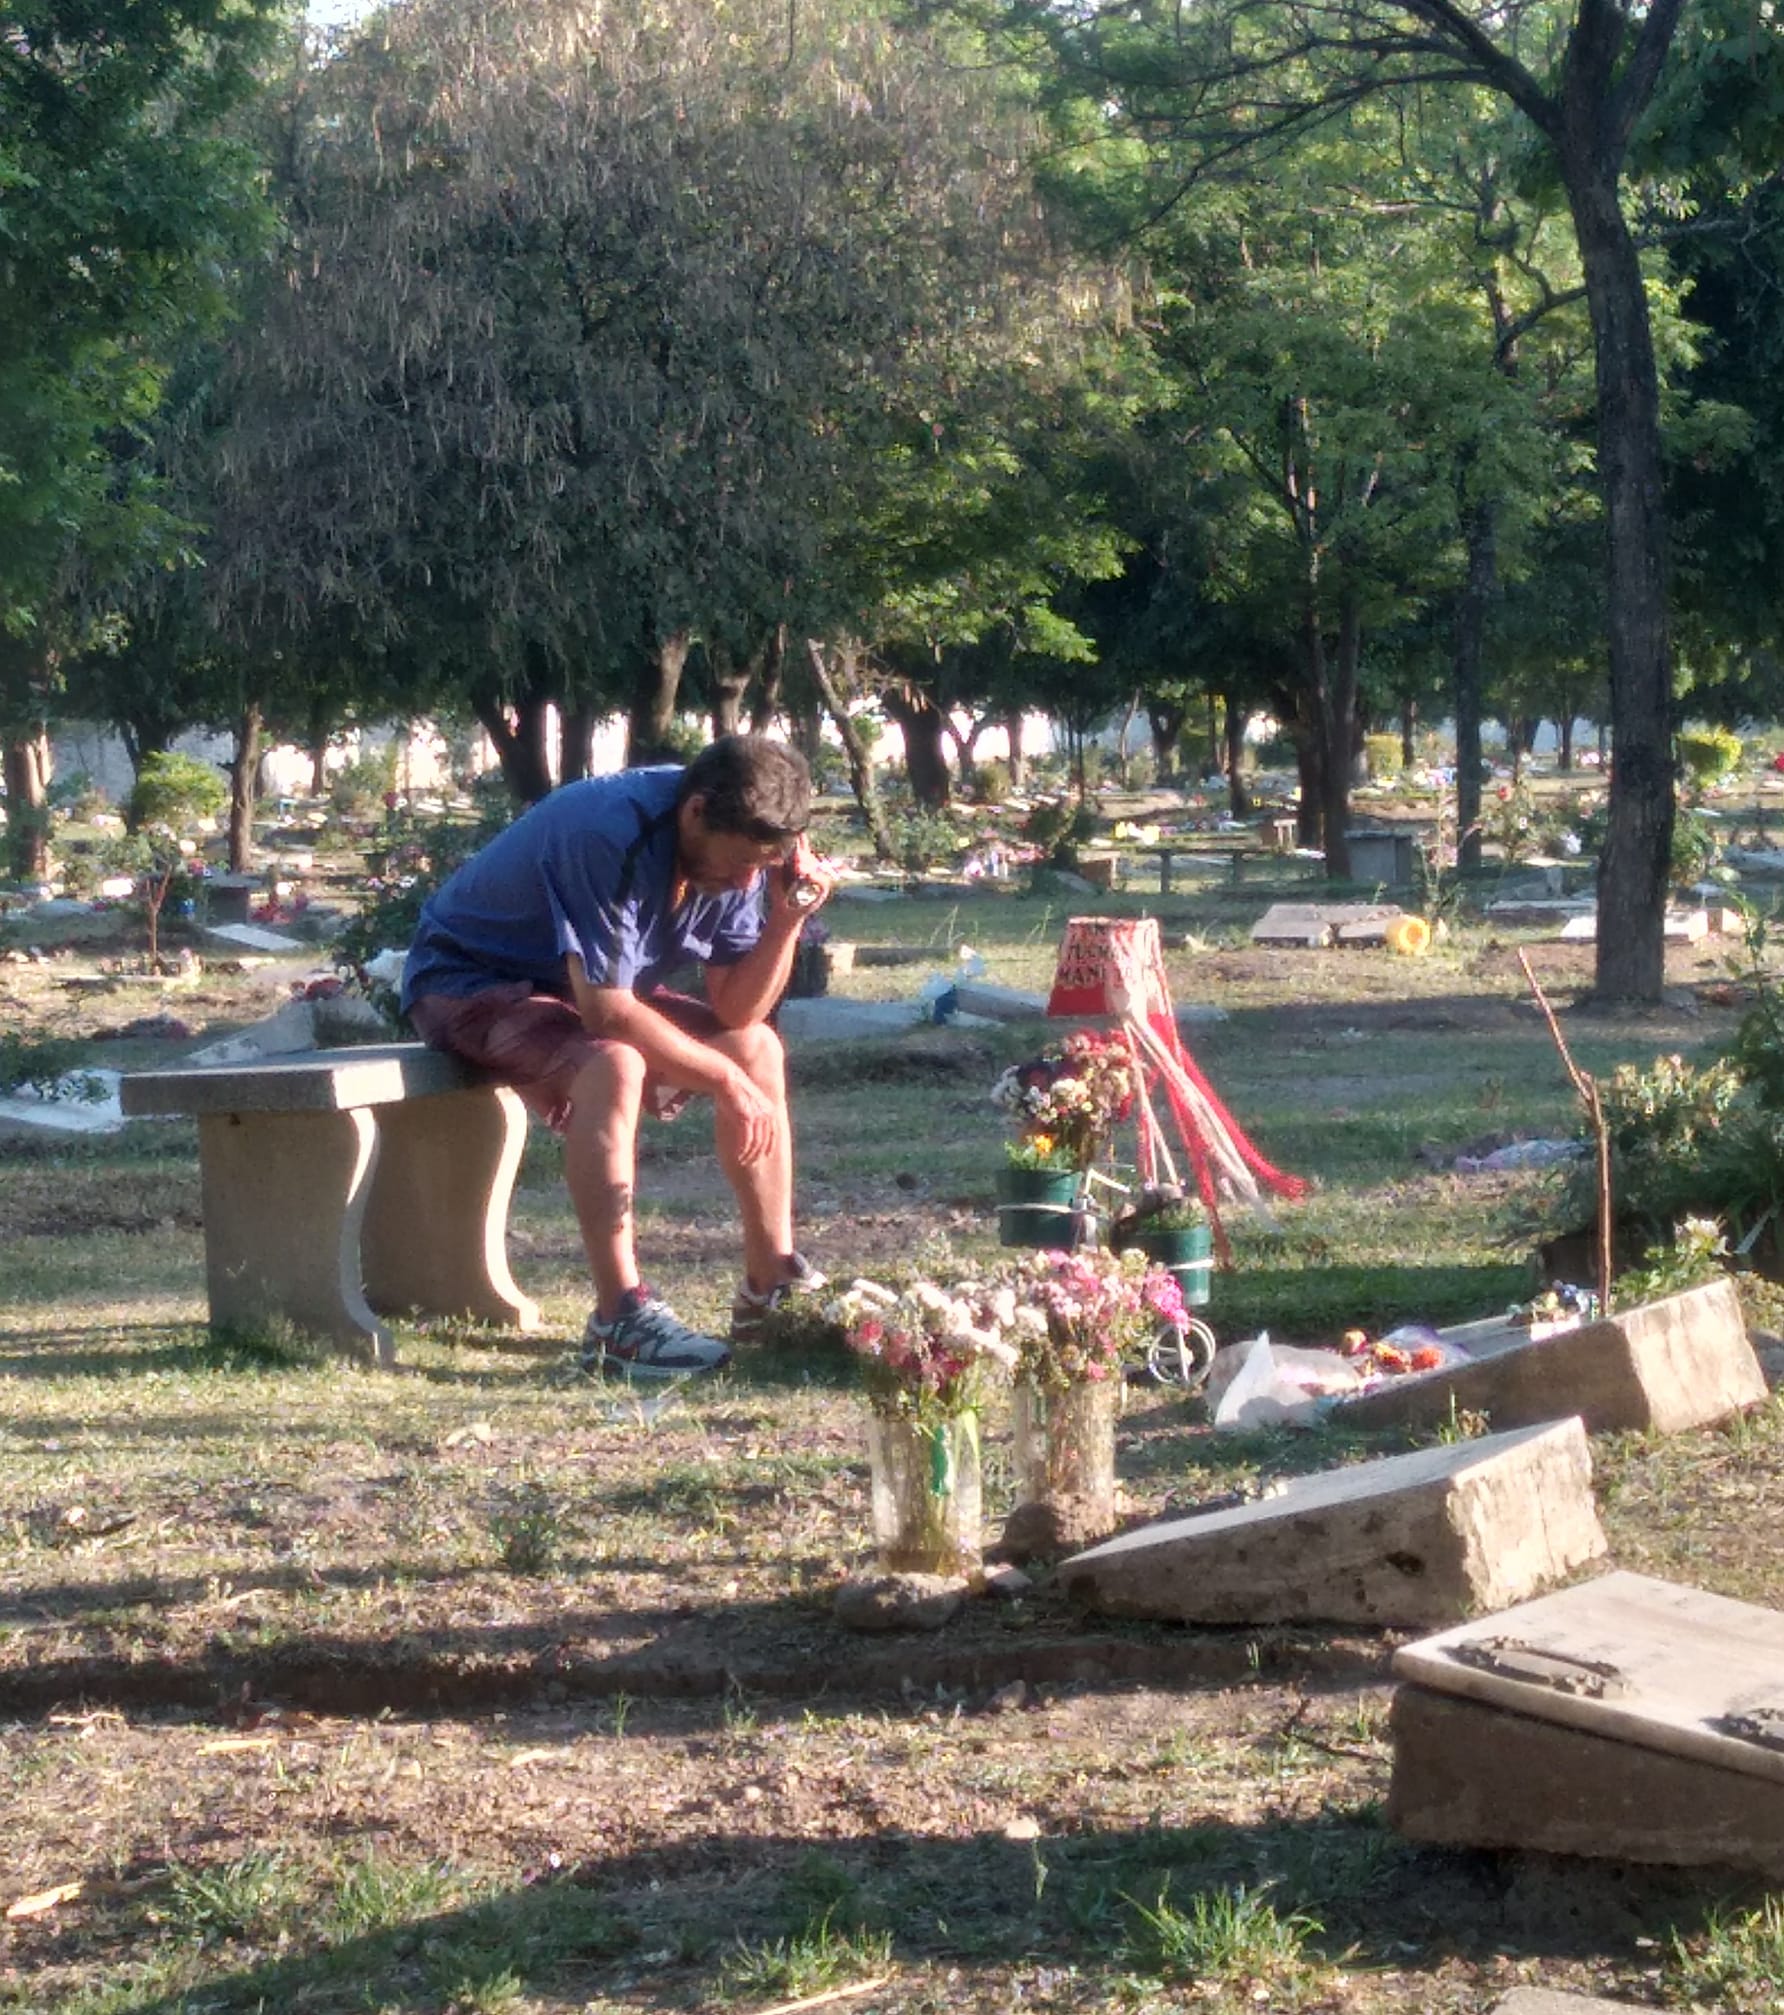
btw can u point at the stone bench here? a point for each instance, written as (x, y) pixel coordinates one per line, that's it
(337, 1183)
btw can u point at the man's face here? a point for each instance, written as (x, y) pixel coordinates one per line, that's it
(715, 863)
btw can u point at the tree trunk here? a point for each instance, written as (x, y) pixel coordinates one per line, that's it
(1293, 710)
(772, 671)
(1165, 718)
(1633, 869)
(925, 754)
(576, 734)
(518, 733)
(26, 762)
(855, 749)
(242, 772)
(1011, 723)
(808, 733)
(1238, 797)
(1481, 531)
(1409, 727)
(652, 712)
(1336, 688)
(730, 682)
(1564, 755)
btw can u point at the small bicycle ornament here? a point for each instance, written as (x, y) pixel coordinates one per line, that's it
(1182, 1353)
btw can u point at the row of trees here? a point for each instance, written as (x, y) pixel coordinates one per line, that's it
(1345, 365)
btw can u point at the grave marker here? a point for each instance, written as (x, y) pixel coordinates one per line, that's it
(1628, 1718)
(1680, 1362)
(1442, 1532)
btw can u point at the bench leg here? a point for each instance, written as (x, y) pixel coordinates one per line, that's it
(284, 1194)
(435, 1236)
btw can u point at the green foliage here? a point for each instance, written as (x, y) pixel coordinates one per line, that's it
(41, 1063)
(1697, 1253)
(175, 791)
(357, 789)
(1708, 754)
(417, 858)
(1383, 755)
(526, 1523)
(809, 1962)
(924, 839)
(991, 781)
(1231, 1937)
(1060, 826)
(1736, 1965)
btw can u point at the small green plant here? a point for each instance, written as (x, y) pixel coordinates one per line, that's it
(1231, 1936)
(1698, 1253)
(812, 1961)
(174, 791)
(1708, 755)
(1042, 1155)
(357, 789)
(527, 1527)
(924, 839)
(1736, 1965)
(1382, 753)
(1059, 826)
(254, 1897)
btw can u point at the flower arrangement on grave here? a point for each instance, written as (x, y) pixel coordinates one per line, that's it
(1079, 1316)
(1067, 1103)
(927, 1353)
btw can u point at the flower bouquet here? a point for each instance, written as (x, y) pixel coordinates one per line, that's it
(1078, 1317)
(926, 1354)
(1067, 1102)
(1066, 1105)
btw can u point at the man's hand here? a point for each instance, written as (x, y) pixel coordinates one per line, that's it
(746, 1107)
(802, 883)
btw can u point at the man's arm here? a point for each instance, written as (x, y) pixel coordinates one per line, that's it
(746, 991)
(677, 1059)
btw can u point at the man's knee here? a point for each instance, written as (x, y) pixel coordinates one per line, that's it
(610, 1080)
(759, 1051)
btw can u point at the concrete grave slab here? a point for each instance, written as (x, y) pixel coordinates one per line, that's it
(258, 938)
(1545, 2001)
(1672, 1364)
(1317, 924)
(1628, 1718)
(1442, 1532)
(1681, 927)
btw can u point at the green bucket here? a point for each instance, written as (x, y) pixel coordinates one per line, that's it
(1188, 1254)
(1037, 1207)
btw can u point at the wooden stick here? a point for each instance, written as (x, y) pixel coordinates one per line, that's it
(822, 2000)
(1586, 1087)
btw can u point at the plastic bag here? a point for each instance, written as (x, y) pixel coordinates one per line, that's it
(1262, 1384)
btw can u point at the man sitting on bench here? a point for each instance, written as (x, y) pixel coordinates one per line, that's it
(540, 960)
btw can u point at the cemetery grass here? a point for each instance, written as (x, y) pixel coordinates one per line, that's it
(479, 1686)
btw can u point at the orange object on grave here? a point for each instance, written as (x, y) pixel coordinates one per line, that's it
(1114, 966)
(1110, 966)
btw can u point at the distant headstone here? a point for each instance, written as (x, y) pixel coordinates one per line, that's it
(1316, 924)
(1442, 1532)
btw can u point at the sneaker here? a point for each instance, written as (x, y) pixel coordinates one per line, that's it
(647, 1340)
(750, 1311)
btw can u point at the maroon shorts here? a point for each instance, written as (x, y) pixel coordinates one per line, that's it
(537, 1043)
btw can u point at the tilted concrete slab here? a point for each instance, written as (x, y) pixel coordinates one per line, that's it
(1545, 2001)
(1441, 1533)
(1672, 1364)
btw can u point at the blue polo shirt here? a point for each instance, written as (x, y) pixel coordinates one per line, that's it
(589, 870)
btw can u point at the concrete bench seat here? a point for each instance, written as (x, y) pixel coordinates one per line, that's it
(342, 1183)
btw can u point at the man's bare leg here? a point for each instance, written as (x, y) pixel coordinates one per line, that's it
(600, 1167)
(763, 1188)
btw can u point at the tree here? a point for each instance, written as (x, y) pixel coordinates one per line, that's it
(122, 205)
(1236, 80)
(601, 330)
